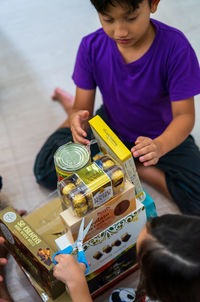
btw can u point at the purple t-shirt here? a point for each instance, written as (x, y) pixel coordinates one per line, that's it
(137, 96)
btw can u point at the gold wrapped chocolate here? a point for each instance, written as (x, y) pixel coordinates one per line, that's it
(117, 177)
(89, 199)
(79, 200)
(68, 188)
(107, 164)
(81, 211)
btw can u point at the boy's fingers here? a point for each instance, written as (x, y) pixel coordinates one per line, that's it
(144, 149)
(139, 139)
(78, 136)
(84, 114)
(147, 156)
(80, 140)
(150, 162)
(79, 132)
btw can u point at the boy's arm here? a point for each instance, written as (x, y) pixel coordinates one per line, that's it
(179, 128)
(81, 112)
(149, 151)
(70, 272)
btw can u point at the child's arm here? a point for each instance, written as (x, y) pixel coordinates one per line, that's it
(82, 111)
(149, 151)
(70, 272)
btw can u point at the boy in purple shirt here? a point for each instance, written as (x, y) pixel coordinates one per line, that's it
(148, 75)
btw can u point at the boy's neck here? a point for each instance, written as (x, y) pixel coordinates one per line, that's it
(135, 52)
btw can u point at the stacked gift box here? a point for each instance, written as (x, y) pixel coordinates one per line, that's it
(106, 190)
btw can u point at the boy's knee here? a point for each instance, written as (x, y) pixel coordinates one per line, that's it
(45, 172)
(48, 180)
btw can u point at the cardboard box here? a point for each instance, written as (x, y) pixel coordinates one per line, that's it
(109, 143)
(113, 240)
(108, 269)
(30, 250)
(114, 209)
(112, 251)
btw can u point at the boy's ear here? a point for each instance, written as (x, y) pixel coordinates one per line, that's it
(154, 5)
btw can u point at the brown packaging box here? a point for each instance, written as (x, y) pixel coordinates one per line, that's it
(107, 214)
(30, 251)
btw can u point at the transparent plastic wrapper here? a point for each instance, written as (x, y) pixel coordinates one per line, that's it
(114, 171)
(92, 186)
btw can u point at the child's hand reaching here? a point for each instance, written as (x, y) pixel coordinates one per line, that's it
(147, 150)
(79, 125)
(72, 273)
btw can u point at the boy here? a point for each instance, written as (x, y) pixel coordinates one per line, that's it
(148, 75)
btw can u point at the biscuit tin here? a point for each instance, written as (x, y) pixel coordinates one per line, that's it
(70, 158)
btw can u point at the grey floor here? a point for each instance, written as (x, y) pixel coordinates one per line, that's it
(38, 44)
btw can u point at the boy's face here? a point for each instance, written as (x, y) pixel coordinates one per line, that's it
(127, 27)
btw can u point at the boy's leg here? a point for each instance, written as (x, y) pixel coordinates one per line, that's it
(181, 170)
(44, 168)
(155, 178)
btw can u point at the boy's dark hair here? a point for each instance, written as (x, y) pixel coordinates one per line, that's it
(170, 259)
(102, 5)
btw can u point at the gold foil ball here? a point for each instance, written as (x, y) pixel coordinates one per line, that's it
(68, 188)
(107, 164)
(81, 211)
(117, 176)
(79, 200)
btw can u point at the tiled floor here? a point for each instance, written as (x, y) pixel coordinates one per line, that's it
(39, 40)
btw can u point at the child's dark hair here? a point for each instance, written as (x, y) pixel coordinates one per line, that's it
(170, 259)
(102, 5)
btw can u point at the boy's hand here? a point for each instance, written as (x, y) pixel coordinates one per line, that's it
(147, 150)
(68, 270)
(78, 125)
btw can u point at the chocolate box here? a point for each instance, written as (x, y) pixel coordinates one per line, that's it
(104, 216)
(30, 250)
(112, 251)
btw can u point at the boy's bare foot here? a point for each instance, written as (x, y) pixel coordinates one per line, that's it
(64, 98)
